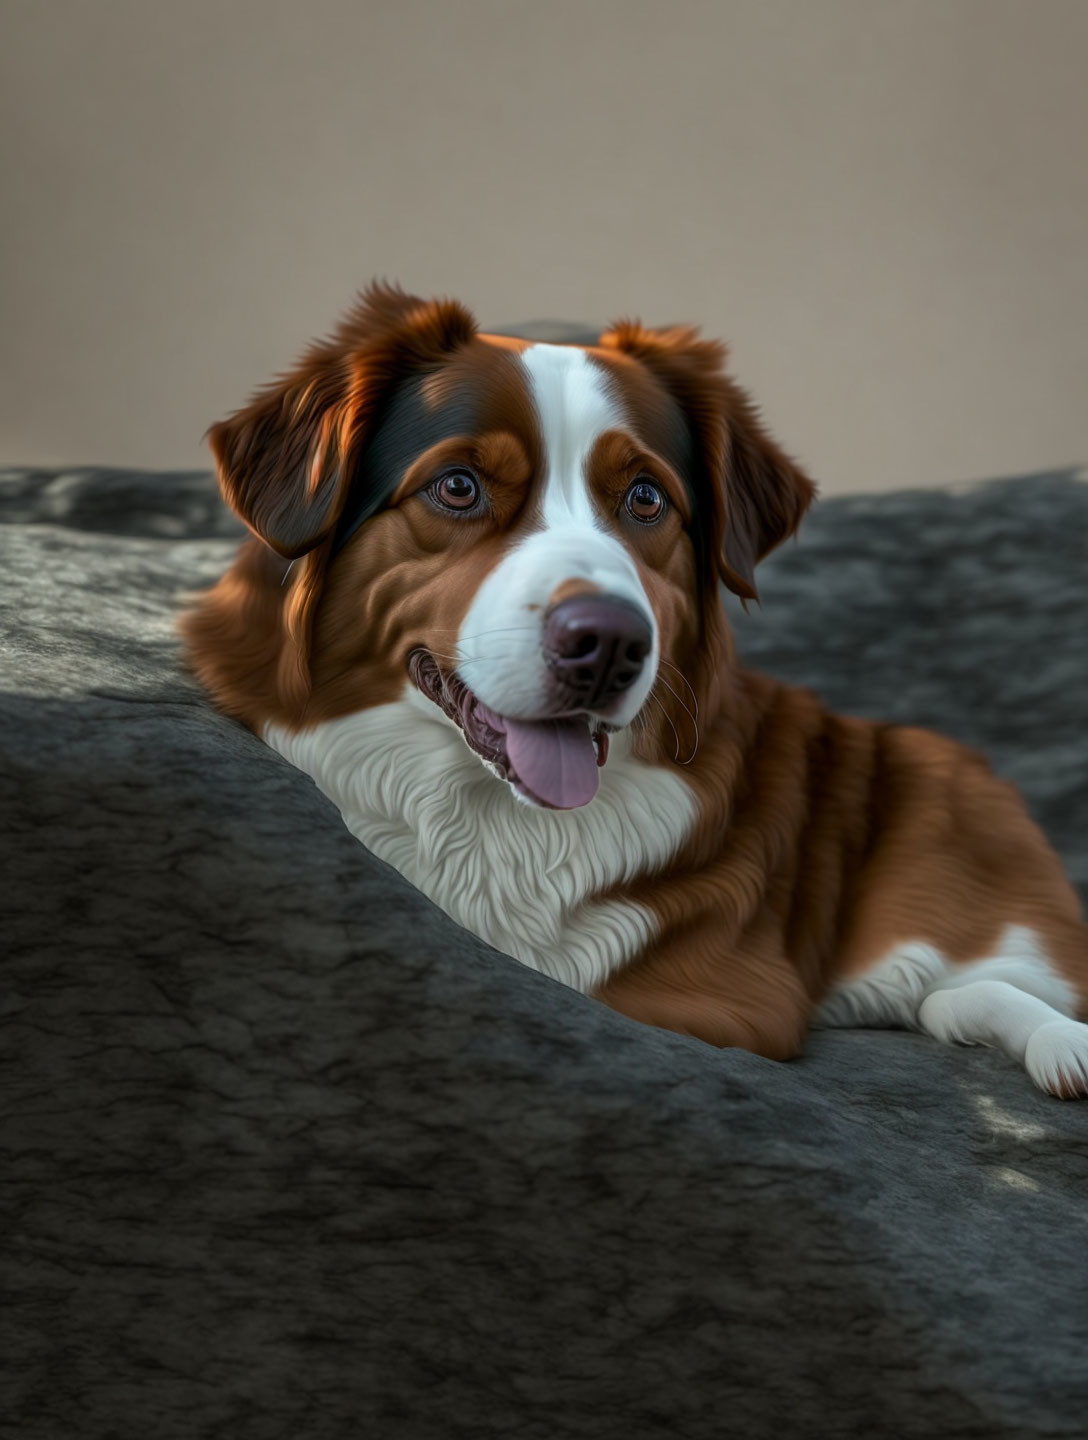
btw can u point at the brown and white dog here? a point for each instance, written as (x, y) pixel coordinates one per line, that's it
(482, 611)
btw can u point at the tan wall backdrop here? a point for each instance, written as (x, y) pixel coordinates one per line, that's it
(883, 204)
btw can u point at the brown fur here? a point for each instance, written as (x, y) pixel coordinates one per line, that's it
(822, 841)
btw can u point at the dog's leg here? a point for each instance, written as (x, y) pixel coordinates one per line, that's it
(752, 999)
(1052, 1048)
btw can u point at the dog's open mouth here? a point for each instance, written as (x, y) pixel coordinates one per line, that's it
(553, 761)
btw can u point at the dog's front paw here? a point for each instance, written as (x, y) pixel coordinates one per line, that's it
(1056, 1058)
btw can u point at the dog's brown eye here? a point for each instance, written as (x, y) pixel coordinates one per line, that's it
(457, 490)
(645, 502)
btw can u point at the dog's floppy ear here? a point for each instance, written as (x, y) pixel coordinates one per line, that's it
(757, 493)
(767, 496)
(286, 460)
(283, 460)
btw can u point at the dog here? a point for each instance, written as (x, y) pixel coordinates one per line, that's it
(481, 608)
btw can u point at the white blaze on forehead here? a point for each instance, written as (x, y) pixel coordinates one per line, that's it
(574, 408)
(500, 639)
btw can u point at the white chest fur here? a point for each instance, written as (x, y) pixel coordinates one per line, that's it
(521, 878)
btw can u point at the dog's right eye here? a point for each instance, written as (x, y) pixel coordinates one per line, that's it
(456, 490)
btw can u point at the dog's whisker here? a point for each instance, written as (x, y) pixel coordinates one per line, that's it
(664, 711)
(668, 717)
(694, 719)
(678, 698)
(486, 634)
(463, 659)
(687, 682)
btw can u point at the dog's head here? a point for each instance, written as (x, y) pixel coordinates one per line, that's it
(528, 536)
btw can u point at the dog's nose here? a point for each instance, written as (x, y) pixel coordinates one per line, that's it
(595, 646)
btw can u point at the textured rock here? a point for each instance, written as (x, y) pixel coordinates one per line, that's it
(286, 1153)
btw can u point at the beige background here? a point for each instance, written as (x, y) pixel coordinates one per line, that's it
(882, 203)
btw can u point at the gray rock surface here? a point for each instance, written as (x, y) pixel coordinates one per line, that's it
(285, 1153)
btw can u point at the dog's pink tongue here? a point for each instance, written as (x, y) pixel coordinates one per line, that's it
(554, 760)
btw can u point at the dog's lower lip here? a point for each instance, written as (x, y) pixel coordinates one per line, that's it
(485, 730)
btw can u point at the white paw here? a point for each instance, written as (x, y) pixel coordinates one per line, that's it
(1056, 1058)
(941, 1015)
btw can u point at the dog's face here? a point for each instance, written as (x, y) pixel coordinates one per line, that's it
(526, 539)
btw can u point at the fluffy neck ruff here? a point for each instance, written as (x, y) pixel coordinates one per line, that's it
(525, 880)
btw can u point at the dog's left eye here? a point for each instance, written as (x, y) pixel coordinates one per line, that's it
(456, 490)
(645, 502)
